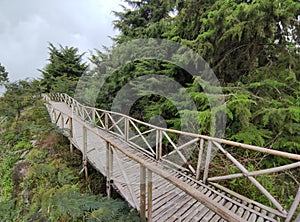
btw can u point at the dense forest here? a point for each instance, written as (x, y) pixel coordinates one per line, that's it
(253, 48)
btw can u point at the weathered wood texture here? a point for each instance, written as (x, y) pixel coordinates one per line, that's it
(150, 182)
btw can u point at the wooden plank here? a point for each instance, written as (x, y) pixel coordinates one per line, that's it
(247, 200)
(210, 215)
(127, 181)
(169, 207)
(187, 202)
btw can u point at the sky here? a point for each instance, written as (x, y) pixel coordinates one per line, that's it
(27, 26)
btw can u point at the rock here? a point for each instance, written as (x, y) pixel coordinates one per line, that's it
(18, 151)
(24, 154)
(20, 171)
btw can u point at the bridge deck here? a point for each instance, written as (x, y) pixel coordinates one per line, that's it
(169, 202)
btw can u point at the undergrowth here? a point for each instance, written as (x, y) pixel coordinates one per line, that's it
(45, 185)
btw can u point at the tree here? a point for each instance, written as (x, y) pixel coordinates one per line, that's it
(3, 75)
(18, 95)
(64, 69)
(147, 19)
(253, 48)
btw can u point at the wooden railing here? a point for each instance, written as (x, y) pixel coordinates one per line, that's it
(178, 150)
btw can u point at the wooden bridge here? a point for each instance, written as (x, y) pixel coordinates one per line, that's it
(156, 174)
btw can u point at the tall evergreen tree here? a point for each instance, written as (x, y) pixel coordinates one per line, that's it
(3, 75)
(64, 69)
(253, 48)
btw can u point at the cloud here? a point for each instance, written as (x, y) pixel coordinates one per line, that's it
(26, 27)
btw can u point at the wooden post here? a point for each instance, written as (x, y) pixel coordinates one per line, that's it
(84, 156)
(62, 121)
(294, 207)
(143, 192)
(109, 170)
(54, 115)
(83, 113)
(106, 120)
(150, 185)
(207, 162)
(71, 134)
(94, 116)
(126, 129)
(158, 144)
(200, 155)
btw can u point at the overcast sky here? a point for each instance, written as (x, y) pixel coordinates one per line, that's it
(26, 27)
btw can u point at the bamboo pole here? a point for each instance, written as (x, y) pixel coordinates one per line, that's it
(179, 153)
(207, 161)
(142, 136)
(255, 173)
(71, 134)
(294, 207)
(84, 132)
(143, 192)
(106, 120)
(94, 116)
(109, 165)
(126, 129)
(183, 146)
(150, 186)
(158, 144)
(62, 121)
(200, 155)
(218, 140)
(252, 179)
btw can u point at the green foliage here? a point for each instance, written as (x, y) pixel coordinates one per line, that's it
(252, 48)
(18, 95)
(279, 186)
(3, 75)
(64, 69)
(52, 189)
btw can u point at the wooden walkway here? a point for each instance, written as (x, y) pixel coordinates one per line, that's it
(146, 177)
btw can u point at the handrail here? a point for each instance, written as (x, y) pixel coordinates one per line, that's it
(218, 140)
(128, 129)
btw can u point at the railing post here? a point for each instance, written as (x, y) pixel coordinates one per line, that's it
(62, 121)
(126, 129)
(207, 162)
(109, 170)
(94, 116)
(158, 144)
(294, 207)
(84, 156)
(71, 133)
(200, 156)
(83, 113)
(54, 115)
(150, 185)
(106, 120)
(143, 192)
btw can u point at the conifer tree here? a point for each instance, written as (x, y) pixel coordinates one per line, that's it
(64, 69)
(3, 75)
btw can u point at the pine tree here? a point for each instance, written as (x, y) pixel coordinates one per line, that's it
(3, 75)
(64, 69)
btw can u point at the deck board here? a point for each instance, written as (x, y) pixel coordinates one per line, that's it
(169, 202)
